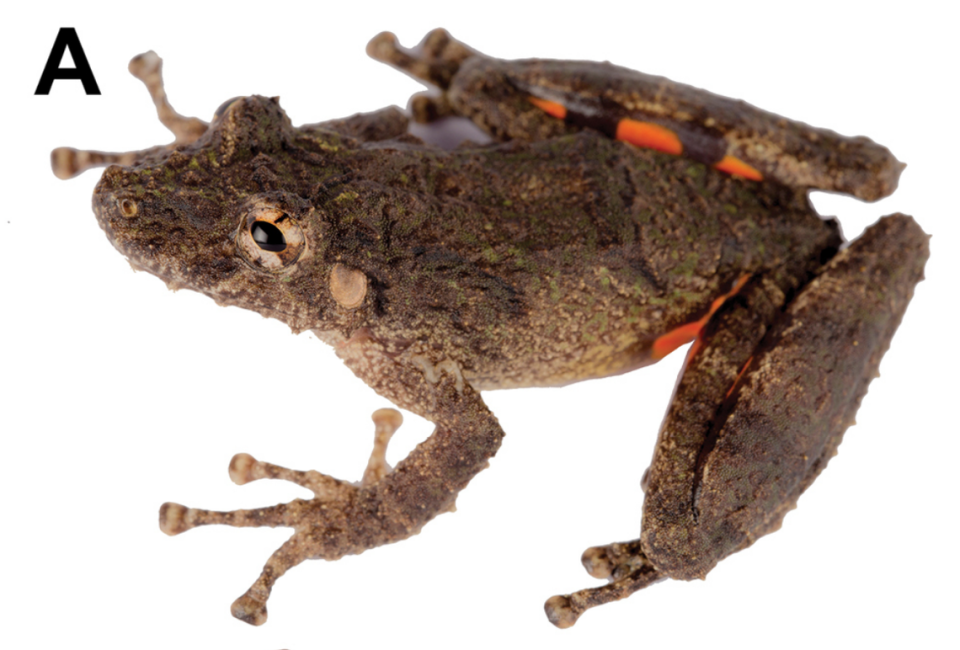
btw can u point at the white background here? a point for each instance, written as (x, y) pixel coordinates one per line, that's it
(118, 395)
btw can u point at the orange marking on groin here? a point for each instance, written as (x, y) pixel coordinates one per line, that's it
(558, 111)
(737, 167)
(667, 343)
(651, 136)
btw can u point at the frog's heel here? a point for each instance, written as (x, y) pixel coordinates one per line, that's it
(147, 67)
(329, 509)
(759, 412)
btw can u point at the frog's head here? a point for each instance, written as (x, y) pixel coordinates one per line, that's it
(224, 215)
(222, 211)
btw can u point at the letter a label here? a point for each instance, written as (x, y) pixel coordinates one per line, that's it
(67, 39)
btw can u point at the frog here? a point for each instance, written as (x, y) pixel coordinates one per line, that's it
(610, 218)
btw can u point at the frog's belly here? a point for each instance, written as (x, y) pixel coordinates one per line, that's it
(565, 362)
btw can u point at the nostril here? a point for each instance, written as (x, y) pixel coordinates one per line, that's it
(128, 208)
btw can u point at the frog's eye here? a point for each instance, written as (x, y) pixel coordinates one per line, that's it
(223, 108)
(270, 239)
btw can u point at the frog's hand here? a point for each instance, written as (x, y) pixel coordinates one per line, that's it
(387, 506)
(147, 67)
(723, 477)
(535, 99)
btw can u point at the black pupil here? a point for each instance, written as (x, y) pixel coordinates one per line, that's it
(268, 236)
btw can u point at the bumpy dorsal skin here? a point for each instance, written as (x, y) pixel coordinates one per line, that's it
(604, 230)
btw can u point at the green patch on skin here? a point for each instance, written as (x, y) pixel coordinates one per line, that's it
(600, 321)
(660, 301)
(688, 265)
(212, 157)
(694, 171)
(730, 209)
(491, 255)
(521, 260)
(193, 164)
(605, 276)
(327, 146)
(347, 196)
(555, 294)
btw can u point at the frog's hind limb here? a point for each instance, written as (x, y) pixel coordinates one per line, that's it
(67, 162)
(760, 409)
(387, 505)
(536, 99)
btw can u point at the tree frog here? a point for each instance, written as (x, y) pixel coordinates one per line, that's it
(612, 218)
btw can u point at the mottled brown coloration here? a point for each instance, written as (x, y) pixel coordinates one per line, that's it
(554, 256)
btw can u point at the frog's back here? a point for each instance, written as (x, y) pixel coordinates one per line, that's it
(551, 262)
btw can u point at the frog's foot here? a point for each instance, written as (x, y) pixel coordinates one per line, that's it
(340, 520)
(435, 60)
(623, 564)
(147, 67)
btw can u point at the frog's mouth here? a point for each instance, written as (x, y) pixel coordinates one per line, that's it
(223, 295)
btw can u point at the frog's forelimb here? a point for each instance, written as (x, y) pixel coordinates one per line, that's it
(386, 506)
